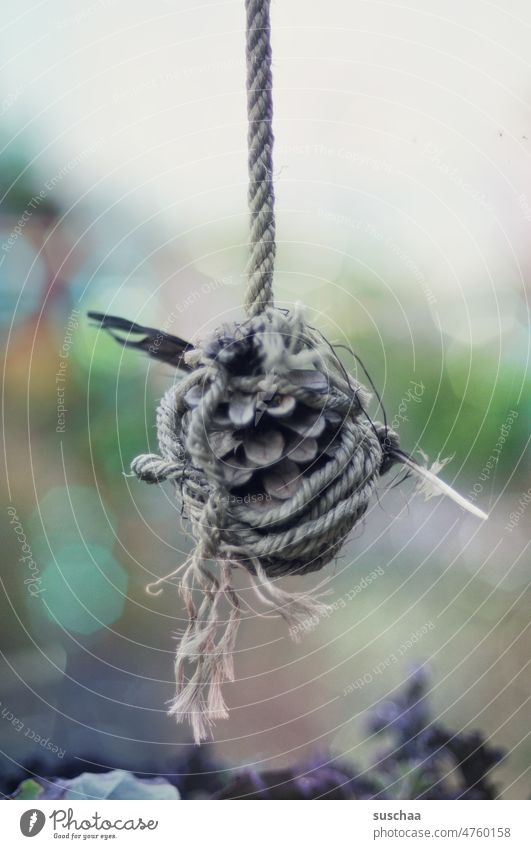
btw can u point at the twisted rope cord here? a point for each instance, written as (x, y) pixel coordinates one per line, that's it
(260, 138)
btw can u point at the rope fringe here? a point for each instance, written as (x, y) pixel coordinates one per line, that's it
(208, 643)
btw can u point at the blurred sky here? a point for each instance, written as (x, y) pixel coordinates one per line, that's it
(403, 136)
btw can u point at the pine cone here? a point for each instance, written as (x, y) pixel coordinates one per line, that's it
(266, 438)
(269, 445)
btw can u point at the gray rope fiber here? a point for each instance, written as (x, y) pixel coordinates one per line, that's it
(260, 158)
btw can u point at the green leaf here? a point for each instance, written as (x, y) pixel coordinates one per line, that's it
(28, 789)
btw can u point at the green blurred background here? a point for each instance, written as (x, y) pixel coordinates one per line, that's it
(403, 224)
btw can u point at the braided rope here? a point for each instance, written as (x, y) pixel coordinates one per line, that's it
(260, 151)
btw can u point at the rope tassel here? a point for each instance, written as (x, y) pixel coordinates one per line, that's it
(208, 644)
(200, 700)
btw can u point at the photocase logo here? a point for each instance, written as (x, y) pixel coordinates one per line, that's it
(32, 822)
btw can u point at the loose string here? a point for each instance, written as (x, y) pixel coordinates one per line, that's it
(260, 138)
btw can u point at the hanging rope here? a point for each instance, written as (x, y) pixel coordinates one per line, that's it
(267, 441)
(260, 148)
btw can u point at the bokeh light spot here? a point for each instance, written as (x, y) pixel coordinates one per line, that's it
(67, 516)
(84, 590)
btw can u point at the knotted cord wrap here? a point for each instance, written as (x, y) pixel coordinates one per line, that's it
(260, 158)
(266, 440)
(269, 538)
(296, 535)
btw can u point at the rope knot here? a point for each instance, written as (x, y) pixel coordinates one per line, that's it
(269, 446)
(274, 460)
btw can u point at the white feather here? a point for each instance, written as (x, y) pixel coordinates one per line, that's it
(431, 486)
